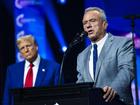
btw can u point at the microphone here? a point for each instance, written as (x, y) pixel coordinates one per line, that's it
(83, 34)
(78, 38)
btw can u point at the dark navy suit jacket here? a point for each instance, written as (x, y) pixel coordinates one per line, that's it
(48, 75)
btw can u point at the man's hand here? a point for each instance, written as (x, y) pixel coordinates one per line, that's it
(109, 94)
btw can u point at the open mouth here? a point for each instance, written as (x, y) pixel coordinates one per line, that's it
(90, 32)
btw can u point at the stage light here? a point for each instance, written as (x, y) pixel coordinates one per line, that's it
(54, 22)
(62, 1)
(64, 48)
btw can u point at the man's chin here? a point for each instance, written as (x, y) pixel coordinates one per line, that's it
(28, 58)
(92, 37)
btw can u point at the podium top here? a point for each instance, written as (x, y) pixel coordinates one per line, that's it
(52, 89)
(75, 94)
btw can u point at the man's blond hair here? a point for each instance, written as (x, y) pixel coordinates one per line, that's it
(29, 38)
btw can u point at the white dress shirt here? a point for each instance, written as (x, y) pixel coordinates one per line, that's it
(100, 44)
(35, 69)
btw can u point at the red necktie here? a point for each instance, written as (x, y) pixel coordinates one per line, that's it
(29, 77)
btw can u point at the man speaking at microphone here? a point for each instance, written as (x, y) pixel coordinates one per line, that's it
(108, 61)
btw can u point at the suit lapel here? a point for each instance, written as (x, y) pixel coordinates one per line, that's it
(41, 73)
(86, 62)
(103, 53)
(20, 74)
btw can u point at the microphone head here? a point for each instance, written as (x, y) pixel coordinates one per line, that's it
(78, 38)
(83, 34)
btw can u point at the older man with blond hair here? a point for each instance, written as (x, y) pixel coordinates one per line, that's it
(34, 71)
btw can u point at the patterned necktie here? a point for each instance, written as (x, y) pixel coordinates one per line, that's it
(95, 57)
(29, 77)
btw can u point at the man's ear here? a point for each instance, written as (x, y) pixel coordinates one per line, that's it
(36, 47)
(105, 24)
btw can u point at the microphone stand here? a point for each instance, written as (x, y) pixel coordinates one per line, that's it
(77, 39)
(132, 18)
(136, 79)
(61, 67)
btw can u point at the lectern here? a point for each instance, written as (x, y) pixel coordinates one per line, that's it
(74, 94)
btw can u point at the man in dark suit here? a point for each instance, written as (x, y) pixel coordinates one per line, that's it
(33, 72)
(108, 61)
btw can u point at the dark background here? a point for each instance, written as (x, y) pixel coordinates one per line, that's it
(7, 49)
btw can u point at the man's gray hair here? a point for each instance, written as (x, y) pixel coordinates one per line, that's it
(103, 15)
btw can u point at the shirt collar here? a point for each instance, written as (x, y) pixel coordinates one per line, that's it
(101, 41)
(36, 62)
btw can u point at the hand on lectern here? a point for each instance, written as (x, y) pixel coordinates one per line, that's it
(109, 93)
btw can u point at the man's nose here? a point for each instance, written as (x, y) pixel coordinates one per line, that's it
(88, 25)
(26, 49)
